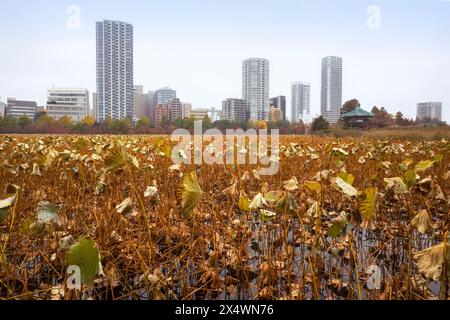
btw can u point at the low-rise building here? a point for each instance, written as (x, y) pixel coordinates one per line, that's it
(199, 114)
(358, 118)
(17, 108)
(70, 102)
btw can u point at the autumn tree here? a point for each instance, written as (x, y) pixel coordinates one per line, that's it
(299, 128)
(382, 118)
(350, 105)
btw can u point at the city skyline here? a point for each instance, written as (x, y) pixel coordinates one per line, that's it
(386, 67)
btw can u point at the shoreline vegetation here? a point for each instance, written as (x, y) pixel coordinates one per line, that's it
(432, 133)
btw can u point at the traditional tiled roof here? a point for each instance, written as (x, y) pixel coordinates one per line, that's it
(358, 112)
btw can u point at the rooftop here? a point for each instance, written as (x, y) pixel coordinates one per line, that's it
(358, 112)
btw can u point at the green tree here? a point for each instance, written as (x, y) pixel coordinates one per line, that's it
(8, 124)
(39, 114)
(207, 124)
(24, 121)
(189, 124)
(45, 120)
(178, 123)
(107, 125)
(320, 124)
(143, 123)
(165, 122)
(89, 121)
(66, 122)
(121, 126)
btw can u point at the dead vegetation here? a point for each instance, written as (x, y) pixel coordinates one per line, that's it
(140, 227)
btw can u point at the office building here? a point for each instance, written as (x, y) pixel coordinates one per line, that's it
(279, 103)
(255, 87)
(234, 110)
(150, 103)
(175, 108)
(331, 93)
(159, 97)
(169, 111)
(300, 101)
(187, 107)
(71, 102)
(431, 111)
(276, 114)
(140, 103)
(114, 70)
(2, 109)
(163, 95)
(214, 114)
(17, 108)
(93, 112)
(161, 113)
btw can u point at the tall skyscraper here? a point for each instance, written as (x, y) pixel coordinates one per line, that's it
(114, 70)
(234, 109)
(71, 102)
(17, 108)
(140, 103)
(331, 98)
(255, 87)
(429, 111)
(300, 101)
(279, 103)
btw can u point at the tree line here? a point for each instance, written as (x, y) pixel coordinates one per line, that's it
(43, 123)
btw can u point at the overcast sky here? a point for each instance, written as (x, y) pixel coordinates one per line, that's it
(197, 47)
